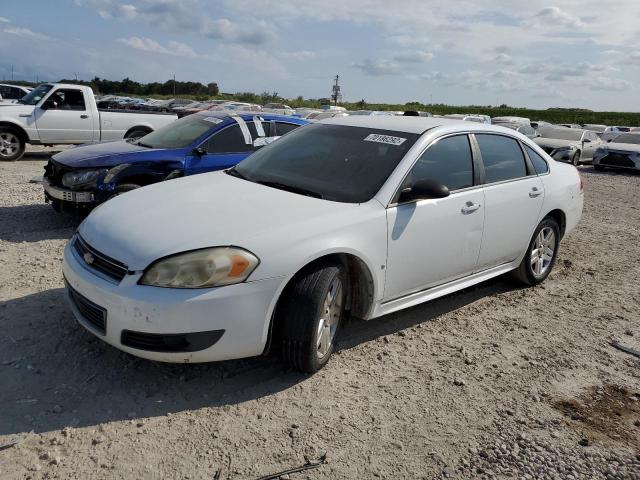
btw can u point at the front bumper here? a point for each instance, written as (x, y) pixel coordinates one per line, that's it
(242, 312)
(618, 160)
(64, 195)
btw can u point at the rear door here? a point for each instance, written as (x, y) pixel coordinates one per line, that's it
(432, 242)
(65, 117)
(513, 196)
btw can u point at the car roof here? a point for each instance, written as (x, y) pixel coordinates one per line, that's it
(400, 123)
(224, 114)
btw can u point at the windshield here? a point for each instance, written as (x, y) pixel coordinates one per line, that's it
(334, 162)
(562, 134)
(35, 95)
(633, 138)
(181, 133)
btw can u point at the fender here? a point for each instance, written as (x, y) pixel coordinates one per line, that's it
(152, 172)
(24, 136)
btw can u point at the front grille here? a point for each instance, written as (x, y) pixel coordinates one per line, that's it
(97, 261)
(170, 342)
(617, 160)
(93, 314)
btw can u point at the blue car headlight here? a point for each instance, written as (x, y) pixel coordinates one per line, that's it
(84, 178)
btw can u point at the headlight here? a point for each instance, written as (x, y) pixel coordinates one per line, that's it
(209, 267)
(83, 178)
(111, 174)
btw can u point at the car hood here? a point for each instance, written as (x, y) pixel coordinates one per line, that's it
(555, 142)
(207, 210)
(109, 154)
(621, 147)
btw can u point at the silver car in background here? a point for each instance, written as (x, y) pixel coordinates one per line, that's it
(622, 152)
(571, 145)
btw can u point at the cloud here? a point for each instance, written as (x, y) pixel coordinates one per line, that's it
(149, 45)
(598, 83)
(377, 67)
(184, 16)
(503, 59)
(414, 57)
(300, 55)
(4, 20)
(25, 33)
(555, 17)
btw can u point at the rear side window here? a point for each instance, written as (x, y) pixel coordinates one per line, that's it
(282, 128)
(448, 161)
(539, 163)
(502, 158)
(229, 140)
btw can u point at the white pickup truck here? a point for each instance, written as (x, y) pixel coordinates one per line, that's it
(58, 113)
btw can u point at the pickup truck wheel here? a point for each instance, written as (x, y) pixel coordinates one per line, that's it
(136, 134)
(541, 254)
(11, 145)
(310, 316)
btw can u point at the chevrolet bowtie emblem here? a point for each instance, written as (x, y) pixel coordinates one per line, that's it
(88, 258)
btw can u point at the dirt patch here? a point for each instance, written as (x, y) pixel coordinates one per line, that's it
(608, 412)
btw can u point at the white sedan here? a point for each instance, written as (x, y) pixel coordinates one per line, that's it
(352, 216)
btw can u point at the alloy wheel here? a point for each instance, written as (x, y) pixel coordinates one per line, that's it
(330, 317)
(543, 251)
(9, 144)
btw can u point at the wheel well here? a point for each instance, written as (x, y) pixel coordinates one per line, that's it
(139, 179)
(559, 216)
(139, 127)
(19, 130)
(360, 286)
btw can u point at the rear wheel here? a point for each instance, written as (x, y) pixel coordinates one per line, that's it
(310, 315)
(11, 145)
(541, 254)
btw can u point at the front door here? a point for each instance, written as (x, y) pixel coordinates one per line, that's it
(63, 117)
(432, 242)
(223, 149)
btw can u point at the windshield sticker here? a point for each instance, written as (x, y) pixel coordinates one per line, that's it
(212, 120)
(389, 140)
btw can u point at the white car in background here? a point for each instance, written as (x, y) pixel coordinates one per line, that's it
(360, 216)
(280, 108)
(571, 145)
(12, 93)
(469, 118)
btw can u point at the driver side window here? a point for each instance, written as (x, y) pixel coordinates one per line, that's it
(66, 99)
(229, 140)
(448, 161)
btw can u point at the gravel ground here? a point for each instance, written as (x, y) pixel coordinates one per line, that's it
(492, 382)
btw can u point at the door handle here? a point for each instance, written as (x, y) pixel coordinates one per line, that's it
(84, 116)
(535, 192)
(469, 207)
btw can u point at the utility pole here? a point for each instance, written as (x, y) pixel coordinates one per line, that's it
(12, 72)
(76, 77)
(174, 84)
(336, 96)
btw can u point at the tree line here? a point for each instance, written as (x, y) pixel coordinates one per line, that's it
(131, 87)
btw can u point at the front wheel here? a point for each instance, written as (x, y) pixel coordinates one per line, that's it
(541, 254)
(309, 317)
(11, 145)
(575, 160)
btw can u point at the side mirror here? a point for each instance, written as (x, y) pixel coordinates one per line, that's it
(199, 152)
(422, 190)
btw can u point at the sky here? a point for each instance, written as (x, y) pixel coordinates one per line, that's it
(537, 54)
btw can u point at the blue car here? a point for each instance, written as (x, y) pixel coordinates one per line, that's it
(88, 175)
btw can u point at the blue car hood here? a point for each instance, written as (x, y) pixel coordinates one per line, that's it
(109, 154)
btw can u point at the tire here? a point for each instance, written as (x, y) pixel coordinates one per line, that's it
(12, 145)
(136, 134)
(534, 269)
(575, 160)
(599, 168)
(306, 338)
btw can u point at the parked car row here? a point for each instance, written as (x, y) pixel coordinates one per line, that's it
(290, 236)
